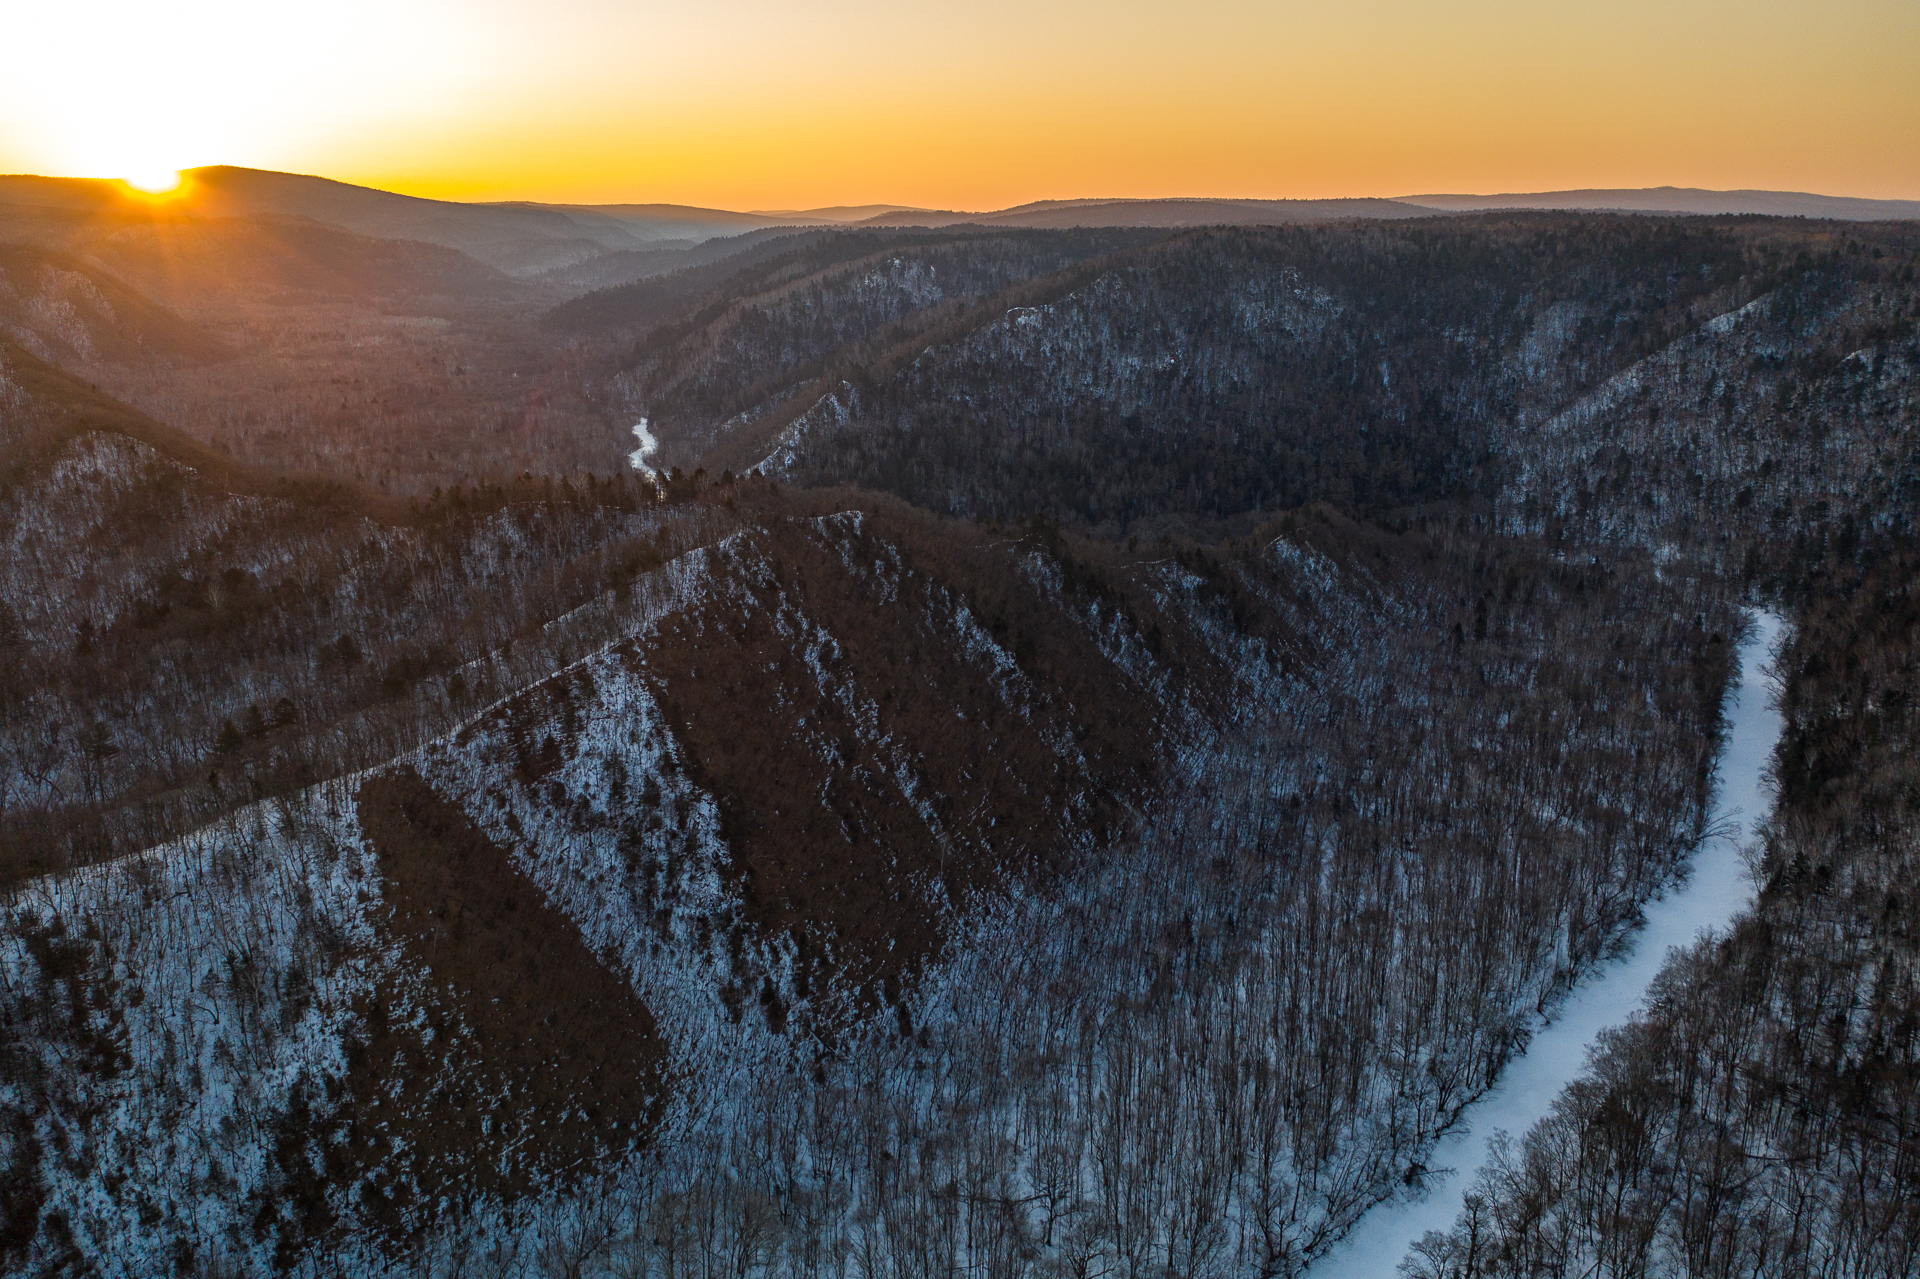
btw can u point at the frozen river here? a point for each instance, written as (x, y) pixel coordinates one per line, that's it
(1717, 890)
(648, 447)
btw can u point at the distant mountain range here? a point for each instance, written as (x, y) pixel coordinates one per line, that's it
(518, 238)
(1198, 212)
(840, 212)
(1779, 204)
(1157, 213)
(597, 245)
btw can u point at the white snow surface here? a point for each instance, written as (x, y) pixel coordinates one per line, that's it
(603, 718)
(237, 954)
(649, 897)
(648, 447)
(1717, 890)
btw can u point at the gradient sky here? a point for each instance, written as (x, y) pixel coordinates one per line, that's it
(973, 103)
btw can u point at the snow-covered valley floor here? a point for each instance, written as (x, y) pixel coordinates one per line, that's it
(1716, 891)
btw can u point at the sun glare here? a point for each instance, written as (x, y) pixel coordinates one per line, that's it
(268, 83)
(154, 181)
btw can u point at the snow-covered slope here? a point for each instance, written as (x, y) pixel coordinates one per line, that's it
(990, 774)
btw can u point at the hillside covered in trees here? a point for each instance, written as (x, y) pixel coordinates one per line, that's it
(1083, 752)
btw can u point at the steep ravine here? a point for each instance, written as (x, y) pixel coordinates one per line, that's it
(1716, 891)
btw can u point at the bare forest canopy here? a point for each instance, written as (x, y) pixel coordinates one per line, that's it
(1082, 751)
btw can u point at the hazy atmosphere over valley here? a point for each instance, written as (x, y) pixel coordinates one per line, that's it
(1059, 642)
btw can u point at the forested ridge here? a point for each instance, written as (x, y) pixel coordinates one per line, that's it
(1245, 370)
(1083, 752)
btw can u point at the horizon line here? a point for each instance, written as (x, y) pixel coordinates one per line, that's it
(885, 207)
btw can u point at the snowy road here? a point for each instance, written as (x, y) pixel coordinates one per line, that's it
(1716, 892)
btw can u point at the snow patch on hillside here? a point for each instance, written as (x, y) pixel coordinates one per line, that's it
(209, 982)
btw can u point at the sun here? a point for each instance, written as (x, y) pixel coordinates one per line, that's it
(153, 181)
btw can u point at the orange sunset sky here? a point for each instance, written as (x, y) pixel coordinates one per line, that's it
(756, 104)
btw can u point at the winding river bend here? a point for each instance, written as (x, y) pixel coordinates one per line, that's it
(1716, 891)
